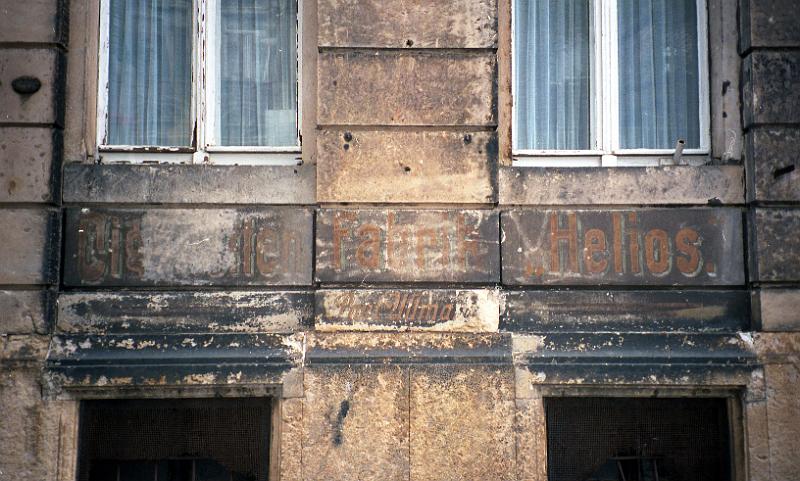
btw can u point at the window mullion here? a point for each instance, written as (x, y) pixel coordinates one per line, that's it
(610, 77)
(200, 78)
(102, 78)
(703, 75)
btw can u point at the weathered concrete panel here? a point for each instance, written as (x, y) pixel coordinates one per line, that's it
(180, 311)
(775, 245)
(407, 23)
(404, 245)
(769, 23)
(173, 247)
(356, 423)
(406, 88)
(462, 423)
(450, 310)
(777, 309)
(771, 87)
(36, 21)
(39, 107)
(625, 311)
(29, 246)
(623, 247)
(624, 185)
(392, 166)
(196, 184)
(773, 161)
(27, 159)
(26, 312)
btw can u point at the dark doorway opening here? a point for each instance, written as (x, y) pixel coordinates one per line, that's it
(174, 440)
(637, 439)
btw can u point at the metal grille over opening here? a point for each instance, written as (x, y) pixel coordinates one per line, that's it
(609, 439)
(174, 440)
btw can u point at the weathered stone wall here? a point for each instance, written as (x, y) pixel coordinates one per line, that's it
(33, 42)
(406, 295)
(771, 111)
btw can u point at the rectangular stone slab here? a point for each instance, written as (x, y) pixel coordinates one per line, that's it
(42, 106)
(26, 312)
(29, 164)
(771, 89)
(188, 247)
(184, 184)
(407, 88)
(776, 309)
(404, 245)
(623, 247)
(769, 23)
(775, 244)
(450, 310)
(35, 21)
(626, 311)
(462, 423)
(407, 23)
(773, 164)
(393, 166)
(624, 185)
(29, 246)
(182, 311)
(356, 423)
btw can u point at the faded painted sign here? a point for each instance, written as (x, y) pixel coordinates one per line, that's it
(407, 245)
(401, 309)
(633, 246)
(132, 247)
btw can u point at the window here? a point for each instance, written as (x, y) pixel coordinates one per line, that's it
(597, 82)
(174, 440)
(637, 439)
(202, 80)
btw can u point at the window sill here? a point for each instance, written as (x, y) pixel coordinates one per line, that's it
(625, 159)
(227, 156)
(637, 185)
(124, 183)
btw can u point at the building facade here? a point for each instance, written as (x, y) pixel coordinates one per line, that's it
(473, 240)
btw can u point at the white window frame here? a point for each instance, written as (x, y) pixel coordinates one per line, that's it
(604, 102)
(203, 89)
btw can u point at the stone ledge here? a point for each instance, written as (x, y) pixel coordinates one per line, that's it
(189, 184)
(709, 184)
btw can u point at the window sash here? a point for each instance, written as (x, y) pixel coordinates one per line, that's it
(201, 150)
(604, 98)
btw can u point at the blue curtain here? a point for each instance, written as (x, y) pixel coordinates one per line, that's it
(258, 72)
(552, 74)
(149, 72)
(658, 74)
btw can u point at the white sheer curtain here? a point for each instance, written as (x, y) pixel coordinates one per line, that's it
(658, 74)
(257, 72)
(552, 74)
(150, 72)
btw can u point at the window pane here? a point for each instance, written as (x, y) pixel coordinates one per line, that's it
(658, 74)
(257, 78)
(150, 72)
(551, 76)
